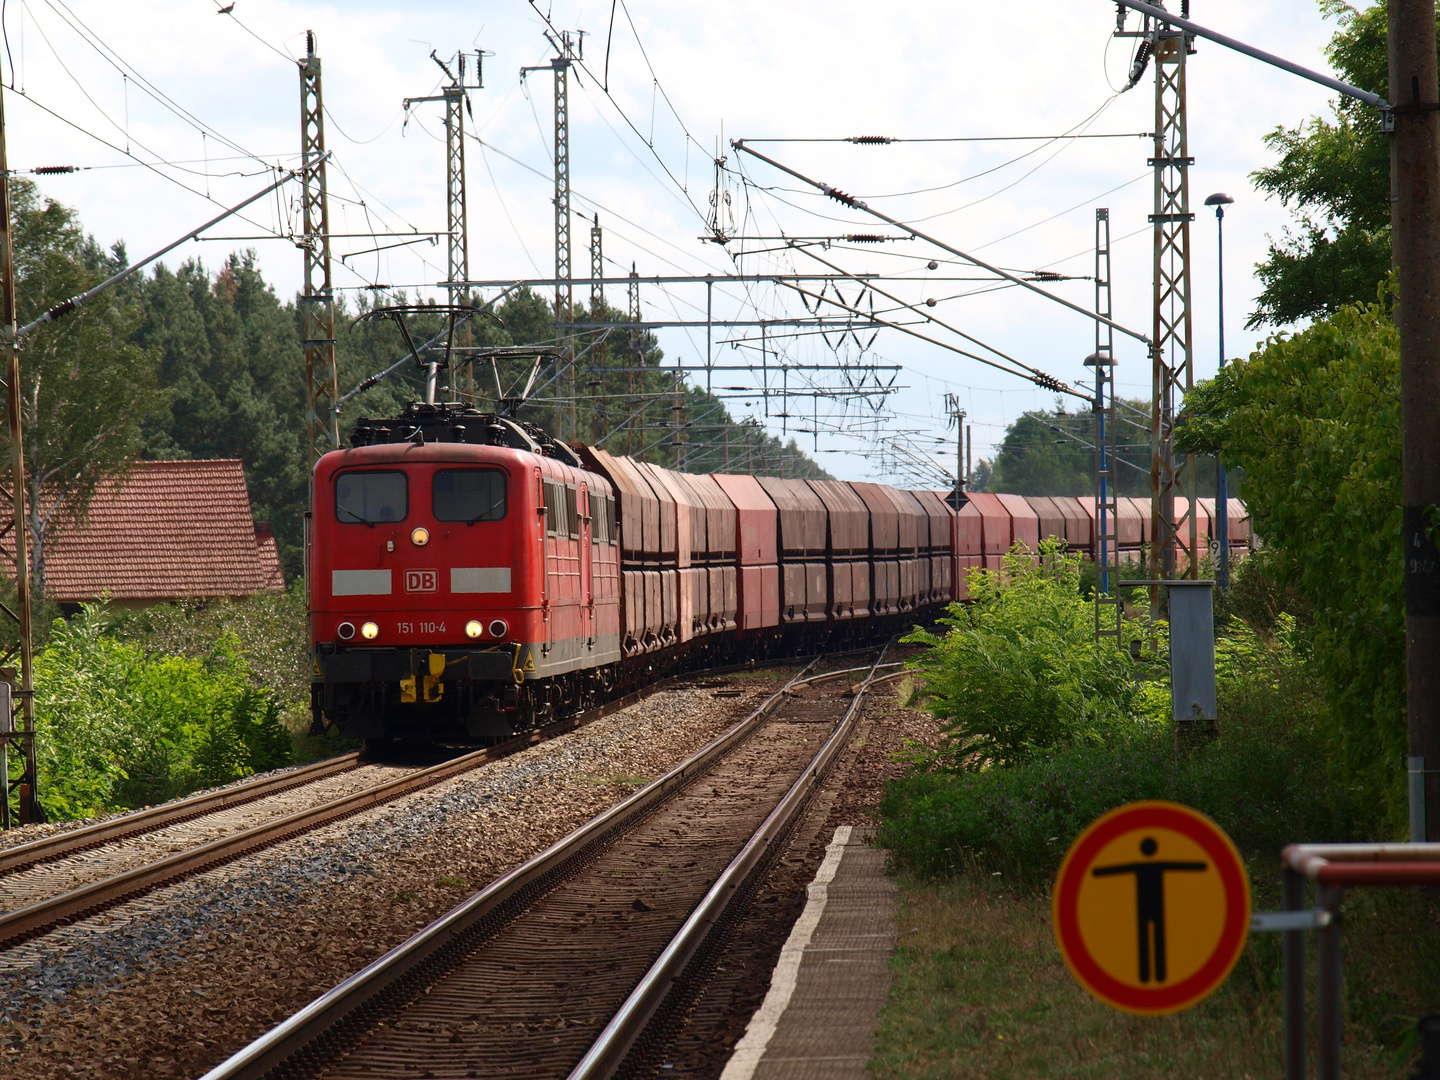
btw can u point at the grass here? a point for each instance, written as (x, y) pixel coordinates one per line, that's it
(980, 991)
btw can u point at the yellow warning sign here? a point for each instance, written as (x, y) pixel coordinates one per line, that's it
(524, 663)
(1151, 907)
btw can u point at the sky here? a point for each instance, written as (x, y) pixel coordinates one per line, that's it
(174, 110)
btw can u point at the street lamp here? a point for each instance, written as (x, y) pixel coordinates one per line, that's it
(1222, 512)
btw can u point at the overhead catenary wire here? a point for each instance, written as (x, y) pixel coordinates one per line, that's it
(885, 140)
(850, 200)
(360, 201)
(1035, 375)
(118, 62)
(1030, 376)
(65, 307)
(31, 99)
(604, 89)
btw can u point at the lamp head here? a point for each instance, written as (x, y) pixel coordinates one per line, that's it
(1219, 201)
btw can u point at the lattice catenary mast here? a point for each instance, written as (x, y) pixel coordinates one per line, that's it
(456, 98)
(597, 314)
(1172, 486)
(1107, 592)
(569, 48)
(317, 301)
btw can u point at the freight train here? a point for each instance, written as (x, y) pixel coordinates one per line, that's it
(471, 577)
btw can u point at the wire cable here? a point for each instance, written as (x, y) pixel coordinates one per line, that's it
(628, 122)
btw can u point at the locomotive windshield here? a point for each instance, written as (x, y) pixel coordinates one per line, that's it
(370, 498)
(469, 495)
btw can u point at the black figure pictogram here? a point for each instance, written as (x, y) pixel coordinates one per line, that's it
(1149, 902)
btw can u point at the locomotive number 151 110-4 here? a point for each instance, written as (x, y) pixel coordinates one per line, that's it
(422, 628)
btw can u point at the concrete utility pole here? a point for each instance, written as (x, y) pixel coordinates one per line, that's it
(20, 641)
(317, 302)
(1222, 495)
(1416, 236)
(969, 448)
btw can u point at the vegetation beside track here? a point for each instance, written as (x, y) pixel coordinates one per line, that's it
(1037, 740)
(1314, 421)
(134, 708)
(1042, 732)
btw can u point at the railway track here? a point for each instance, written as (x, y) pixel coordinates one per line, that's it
(61, 845)
(60, 879)
(579, 960)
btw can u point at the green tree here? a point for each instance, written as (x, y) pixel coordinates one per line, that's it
(1314, 421)
(1050, 452)
(1334, 175)
(230, 356)
(86, 386)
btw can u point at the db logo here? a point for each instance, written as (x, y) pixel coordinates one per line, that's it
(420, 580)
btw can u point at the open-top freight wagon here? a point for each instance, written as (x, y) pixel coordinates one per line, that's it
(471, 577)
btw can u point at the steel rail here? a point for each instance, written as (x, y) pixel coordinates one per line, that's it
(34, 919)
(43, 915)
(308, 1038)
(50, 848)
(871, 668)
(609, 1051)
(27, 922)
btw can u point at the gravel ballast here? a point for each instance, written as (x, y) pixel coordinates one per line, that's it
(170, 984)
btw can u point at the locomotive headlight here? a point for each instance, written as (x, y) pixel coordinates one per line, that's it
(420, 537)
(473, 628)
(499, 628)
(369, 631)
(345, 631)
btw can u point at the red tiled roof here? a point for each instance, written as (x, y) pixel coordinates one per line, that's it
(170, 530)
(269, 556)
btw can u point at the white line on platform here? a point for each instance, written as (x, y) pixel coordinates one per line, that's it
(758, 1033)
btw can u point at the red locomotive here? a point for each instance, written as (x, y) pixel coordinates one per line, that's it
(471, 577)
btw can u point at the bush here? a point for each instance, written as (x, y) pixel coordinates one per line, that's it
(119, 727)
(1314, 422)
(1019, 672)
(272, 630)
(1264, 779)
